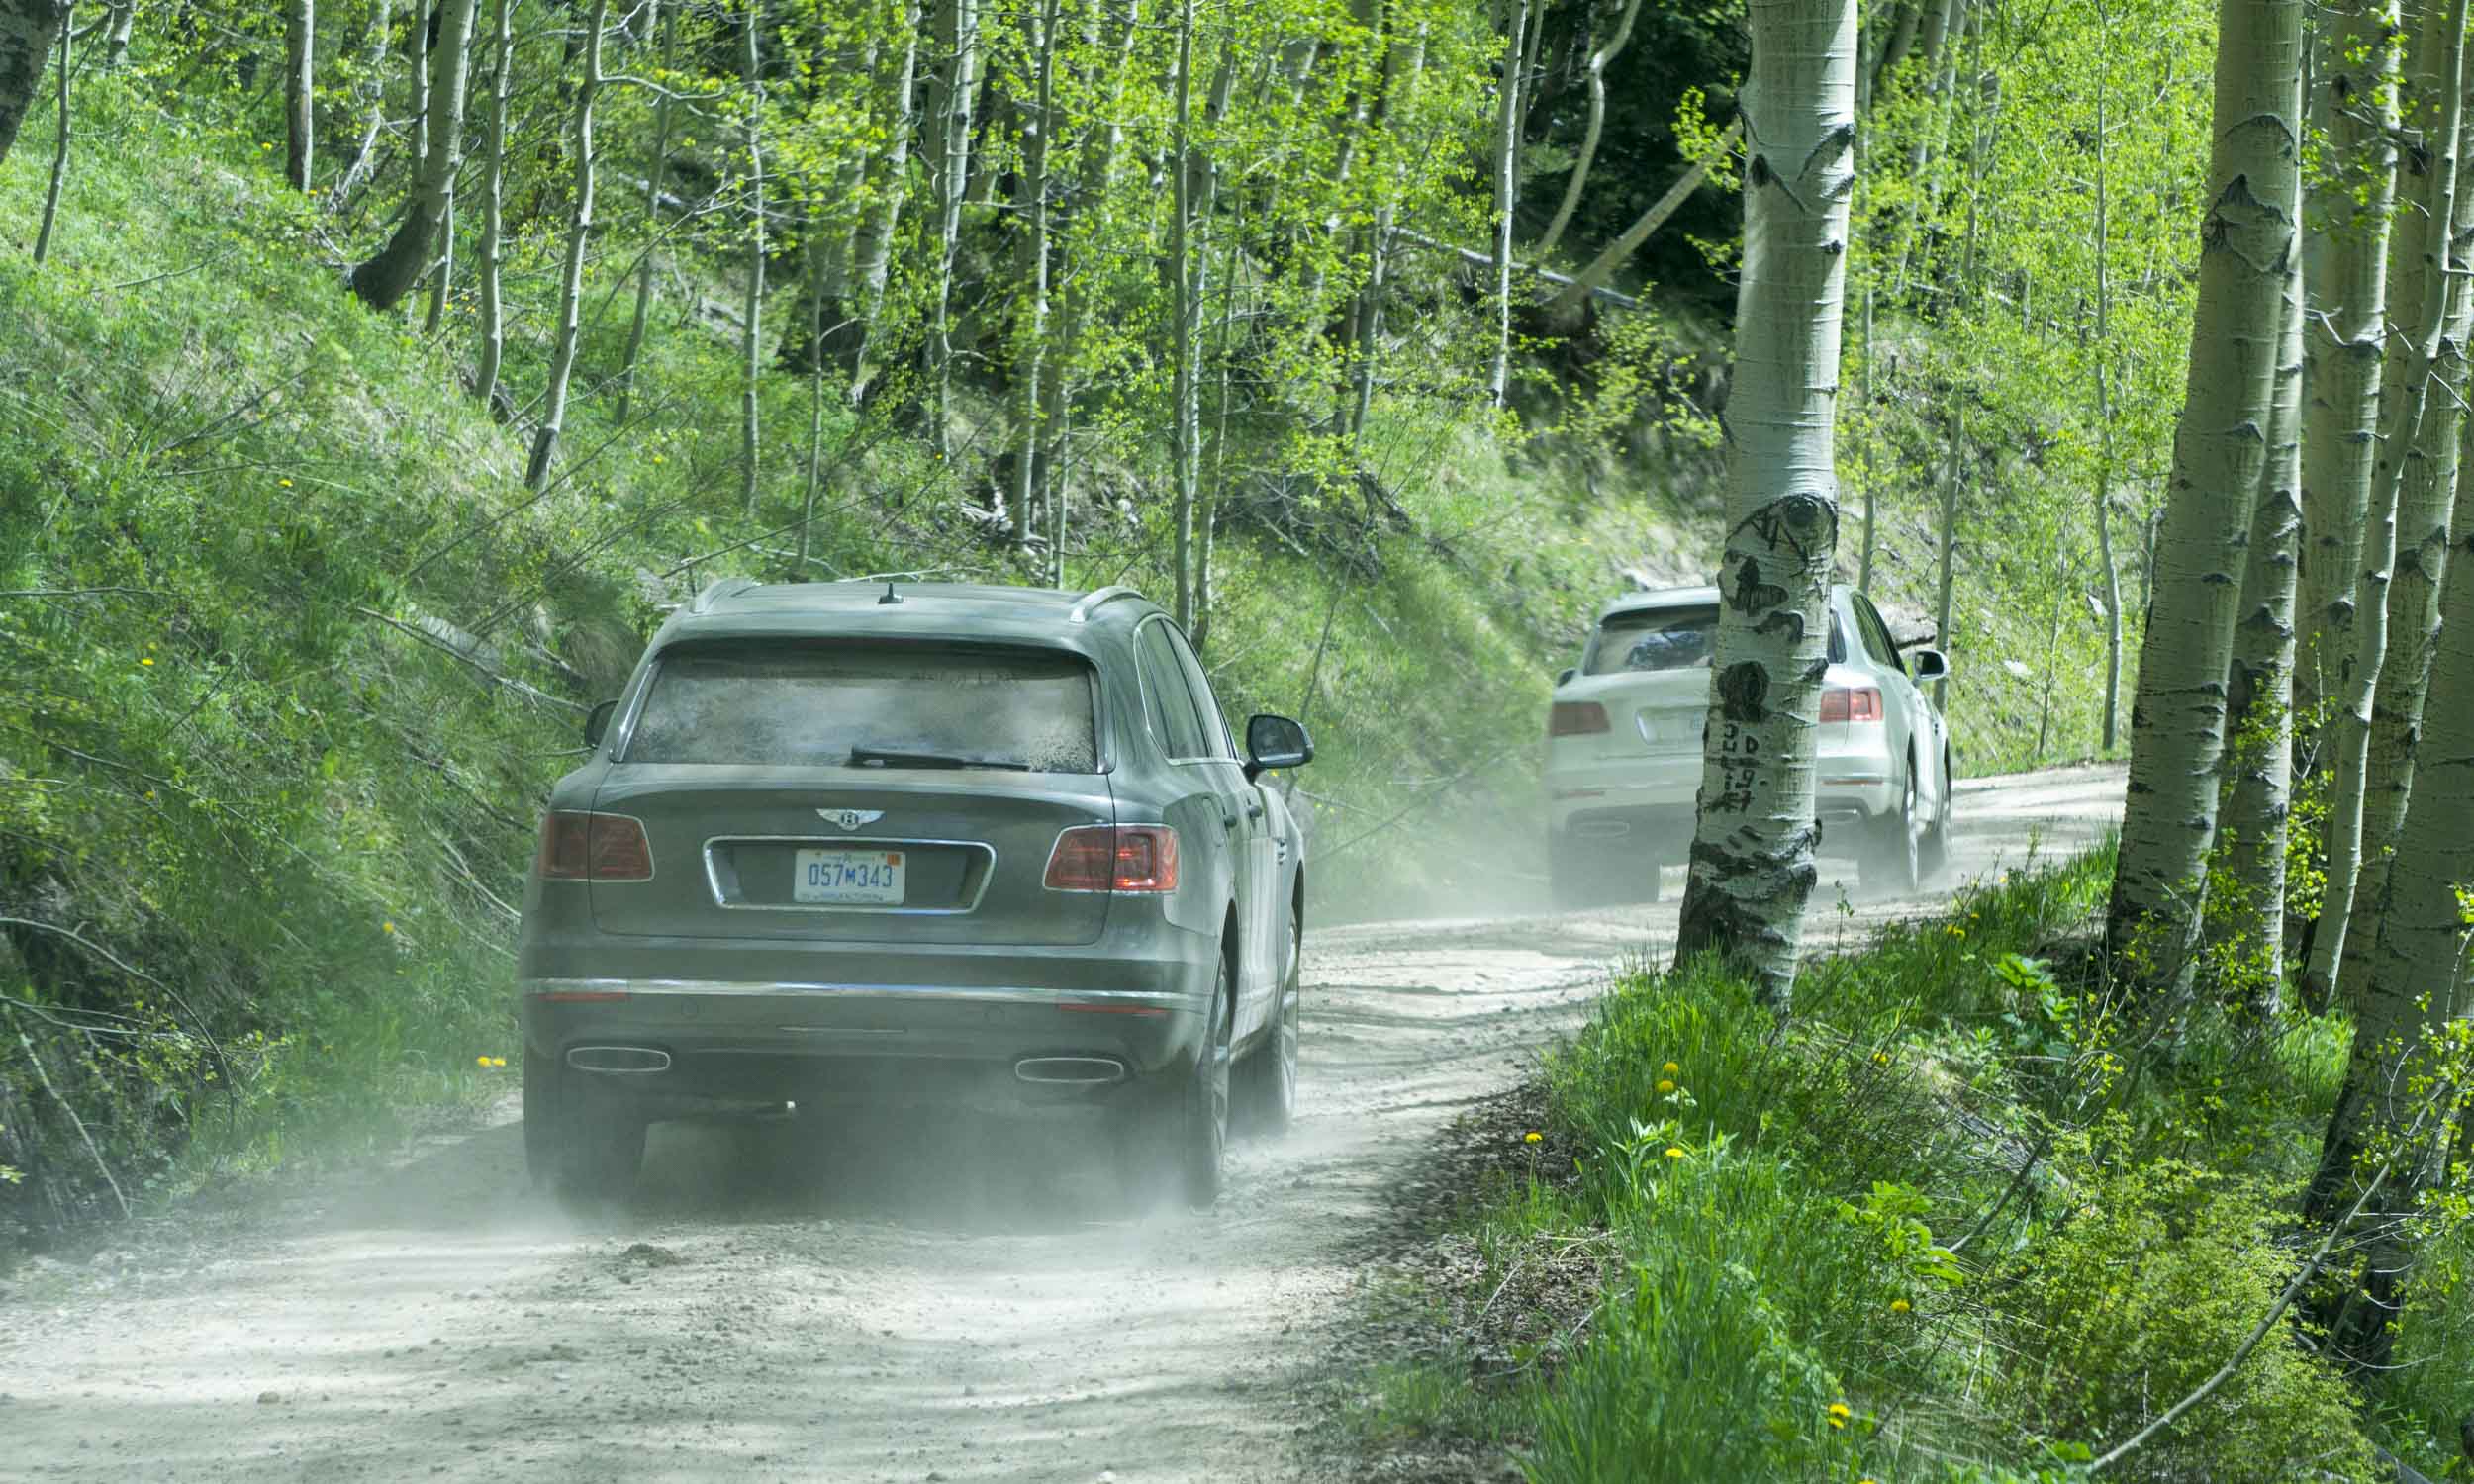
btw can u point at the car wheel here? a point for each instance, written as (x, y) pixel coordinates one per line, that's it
(1892, 859)
(577, 1146)
(1270, 1082)
(1934, 854)
(1180, 1142)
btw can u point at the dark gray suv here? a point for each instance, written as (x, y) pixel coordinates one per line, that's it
(870, 844)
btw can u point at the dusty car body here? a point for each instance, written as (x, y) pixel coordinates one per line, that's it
(966, 847)
(1623, 763)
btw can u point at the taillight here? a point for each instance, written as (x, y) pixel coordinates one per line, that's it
(1575, 719)
(1114, 858)
(578, 847)
(1861, 704)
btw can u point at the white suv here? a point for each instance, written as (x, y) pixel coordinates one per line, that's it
(1623, 765)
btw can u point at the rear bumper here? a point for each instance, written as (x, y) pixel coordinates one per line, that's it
(987, 1030)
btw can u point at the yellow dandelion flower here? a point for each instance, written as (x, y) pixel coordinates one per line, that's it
(1840, 1412)
(1900, 1306)
(1530, 1138)
(386, 927)
(287, 484)
(498, 1060)
(147, 661)
(1671, 1070)
(1674, 1153)
(479, 1060)
(1666, 1084)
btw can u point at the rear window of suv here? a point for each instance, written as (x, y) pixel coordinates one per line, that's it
(810, 703)
(1675, 638)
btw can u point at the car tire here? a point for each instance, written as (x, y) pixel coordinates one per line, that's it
(1891, 860)
(1271, 1072)
(1180, 1142)
(1933, 857)
(577, 1146)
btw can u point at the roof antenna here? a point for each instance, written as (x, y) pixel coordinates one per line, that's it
(889, 596)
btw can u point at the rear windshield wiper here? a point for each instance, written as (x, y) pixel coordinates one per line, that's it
(877, 756)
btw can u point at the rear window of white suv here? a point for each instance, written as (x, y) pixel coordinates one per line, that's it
(823, 703)
(1677, 638)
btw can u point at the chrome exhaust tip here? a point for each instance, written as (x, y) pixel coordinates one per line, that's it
(1070, 1072)
(622, 1059)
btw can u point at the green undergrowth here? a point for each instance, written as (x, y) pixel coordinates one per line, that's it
(289, 656)
(1932, 1230)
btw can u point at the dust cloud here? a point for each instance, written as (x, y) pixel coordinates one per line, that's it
(834, 1298)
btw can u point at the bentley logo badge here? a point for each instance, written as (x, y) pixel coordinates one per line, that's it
(849, 820)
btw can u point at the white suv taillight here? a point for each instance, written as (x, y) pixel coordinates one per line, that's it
(1129, 858)
(1846, 703)
(579, 847)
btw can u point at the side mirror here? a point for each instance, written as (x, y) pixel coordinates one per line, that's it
(1563, 676)
(1275, 742)
(597, 725)
(1931, 665)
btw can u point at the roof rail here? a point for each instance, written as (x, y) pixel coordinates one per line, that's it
(1090, 601)
(719, 589)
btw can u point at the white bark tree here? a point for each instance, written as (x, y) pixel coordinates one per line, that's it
(1599, 61)
(752, 310)
(384, 280)
(2260, 688)
(956, 87)
(571, 271)
(2432, 107)
(2246, 237)
(493, 243)
(2354, 106)
(1507, 171)
(1751, 868)
(300, 63)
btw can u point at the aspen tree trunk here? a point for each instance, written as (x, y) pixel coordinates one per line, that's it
(958, 34)
(1945, 542)
(1872, 491)
(752, 324)
(1032, 331)
(655, 171)
(2418, 302)
(1567, 303)
(1898, 44)
(2249, 923)
(1599, 61)
(493, 244)
(300, 42)
(384, 280)
(1401, 74)
(1751, 868)
(124, 21)
(2426, 489)
(571, 272)
(373, 92)
(2104, 422)
(875, 245)
(1940, 19)
(416, 74)
(1506, 199)
(1082, 247)
(2354, 101)
(1185, 308)
(2417, 983)
(2177, 722)
(62, 75)
(815, 383)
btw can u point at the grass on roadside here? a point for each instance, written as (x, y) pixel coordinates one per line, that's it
(1933, 1230)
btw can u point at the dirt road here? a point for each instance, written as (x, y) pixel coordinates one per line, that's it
(907, 1305)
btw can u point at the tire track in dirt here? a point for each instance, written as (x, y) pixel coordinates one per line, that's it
(878, 1302)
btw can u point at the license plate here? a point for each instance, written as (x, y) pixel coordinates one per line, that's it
(1667, 729)
(847, 877)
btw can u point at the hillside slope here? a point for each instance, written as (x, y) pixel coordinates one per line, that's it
(291, 656)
